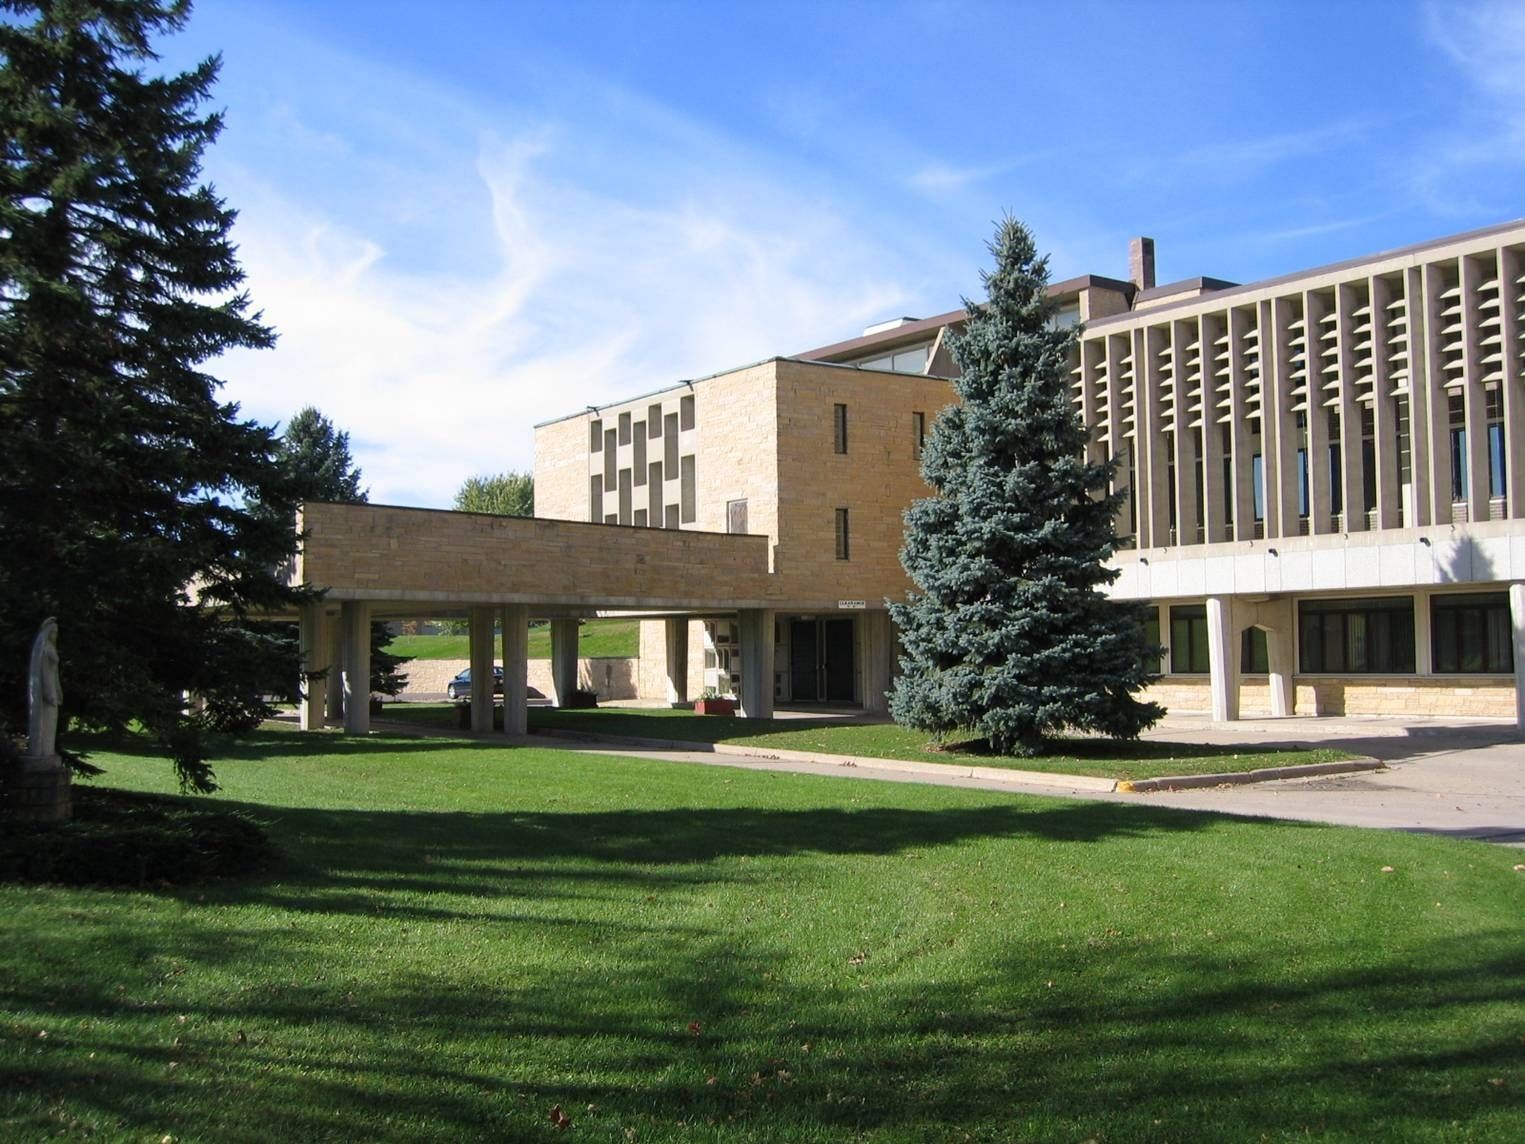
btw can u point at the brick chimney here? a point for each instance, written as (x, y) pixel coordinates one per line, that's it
(1141, 262)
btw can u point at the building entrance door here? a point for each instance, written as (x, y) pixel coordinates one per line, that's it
(821, 663)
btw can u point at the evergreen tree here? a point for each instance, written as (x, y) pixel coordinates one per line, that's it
(505, 494)
(318, 466)
(124, 482)
(317, 459)
(1011, 635)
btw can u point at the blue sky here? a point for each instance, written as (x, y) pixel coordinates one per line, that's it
(467, 217)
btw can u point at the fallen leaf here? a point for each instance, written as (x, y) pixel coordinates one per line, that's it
(857, 959)
(1387, 869)
(695, 1028)
(559, 1119)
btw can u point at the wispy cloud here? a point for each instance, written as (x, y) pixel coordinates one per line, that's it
(1228, 162)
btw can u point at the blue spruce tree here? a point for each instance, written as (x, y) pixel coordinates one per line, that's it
(1011, 635)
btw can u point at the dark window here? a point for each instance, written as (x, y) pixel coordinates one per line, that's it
(686, 411)
(626, 504)
(1496, 455)
(1370, 637)
(919, 431)
(839, 428)
(1254, 653)
(624, 428)
(654, 420)
(1258, 485)
(611, 456)
(1457, 407)
(638, 457)
(654, 493)
(671, 516)
(1188, 639)
(1302, 483)
(596, 499)
(595, 436)
(1368, 459)
(670, 445)
(1472, 633)
(843, 547)
(686, 491)
(1152, 641)
(640, 518)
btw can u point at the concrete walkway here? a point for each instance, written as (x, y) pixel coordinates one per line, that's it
(1460, 777)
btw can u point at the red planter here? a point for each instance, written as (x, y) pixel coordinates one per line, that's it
(715, 706)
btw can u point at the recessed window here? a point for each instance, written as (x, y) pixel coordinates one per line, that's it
(1362, 636)
(687, 498)
(1188, 640)
(918, 432)
(844, 550)
(596, 499)
(1151, 626)
(626, 497)
(654, 493)
(624, 428)
(640, 518)
(611, 459)
(654, 420)
(1472, 632)
(686, 411)
(638, 454)
(1457, 408)
(1497, 457)
(839, 428)
(736, 517)
(670, 517)
(1254, 652)
(670, 445)
(595, 436)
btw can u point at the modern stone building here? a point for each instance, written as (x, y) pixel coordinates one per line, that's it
(1325, 477)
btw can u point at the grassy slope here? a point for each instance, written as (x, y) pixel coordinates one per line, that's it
(466, 936)
(619, 638)
(885, 741)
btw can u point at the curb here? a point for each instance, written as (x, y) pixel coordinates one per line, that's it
(1241, 778)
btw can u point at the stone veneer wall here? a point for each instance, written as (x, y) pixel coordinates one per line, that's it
(1482, 696)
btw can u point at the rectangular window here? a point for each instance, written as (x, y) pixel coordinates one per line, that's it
(1457, 407)
(1152, 663)
(686, 411)
(654, 493)
(1336, 464)
(611, 518)
(638, 454)
(1258, 486)
(624, 428)
(1494, 416)
(839, 428)
(1188, 640)
(844, 549)
(595, 436)
(670, 445)
(1368, 459)
(640, 518)
(1254, 652)
(611, 456)
(736, 517)
(687, 498)
(596, 499)
(670, 518)
(1302, 483)
(1405, 456)
(919, 432)
(1471, 632)
(1361, 637)
(654, 420)
(626, 502)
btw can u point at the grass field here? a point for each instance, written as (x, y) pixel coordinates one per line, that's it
(596, 638)
(1103, 758)
(464, 938)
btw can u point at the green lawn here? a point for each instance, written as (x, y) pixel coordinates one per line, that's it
(464, 937)
(1103, 758)
(596, 638)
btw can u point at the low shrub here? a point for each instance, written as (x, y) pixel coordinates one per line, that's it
(117, 838)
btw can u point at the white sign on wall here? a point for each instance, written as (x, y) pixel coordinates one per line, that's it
(852, 605)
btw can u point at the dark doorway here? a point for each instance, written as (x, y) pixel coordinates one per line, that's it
(821, 661)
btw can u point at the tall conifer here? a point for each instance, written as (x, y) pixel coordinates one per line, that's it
(124, 481)
(1011, 635)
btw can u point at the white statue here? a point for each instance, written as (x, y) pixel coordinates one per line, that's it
(44, 692)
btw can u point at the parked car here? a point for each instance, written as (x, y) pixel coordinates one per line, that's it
(460, 686)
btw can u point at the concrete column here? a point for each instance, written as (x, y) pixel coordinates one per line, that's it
(1280, 649)
(1424, 658)
(315, 657)
(756, 663)
(676, 638)
(355, 621)
(563, 660)
(479, 637)
(516, 649)
(876, 654)
(1517, 615)
(333, 700)
(1221, 661)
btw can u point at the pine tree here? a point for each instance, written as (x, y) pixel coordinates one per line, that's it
(316, 458)
(1011, 635)
(124, 481)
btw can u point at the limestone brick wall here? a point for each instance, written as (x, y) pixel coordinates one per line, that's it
(1485, 696)
(561, 470)
(874, 480)
(1181, 694)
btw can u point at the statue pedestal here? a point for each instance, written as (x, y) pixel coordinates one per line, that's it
(37, 790)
